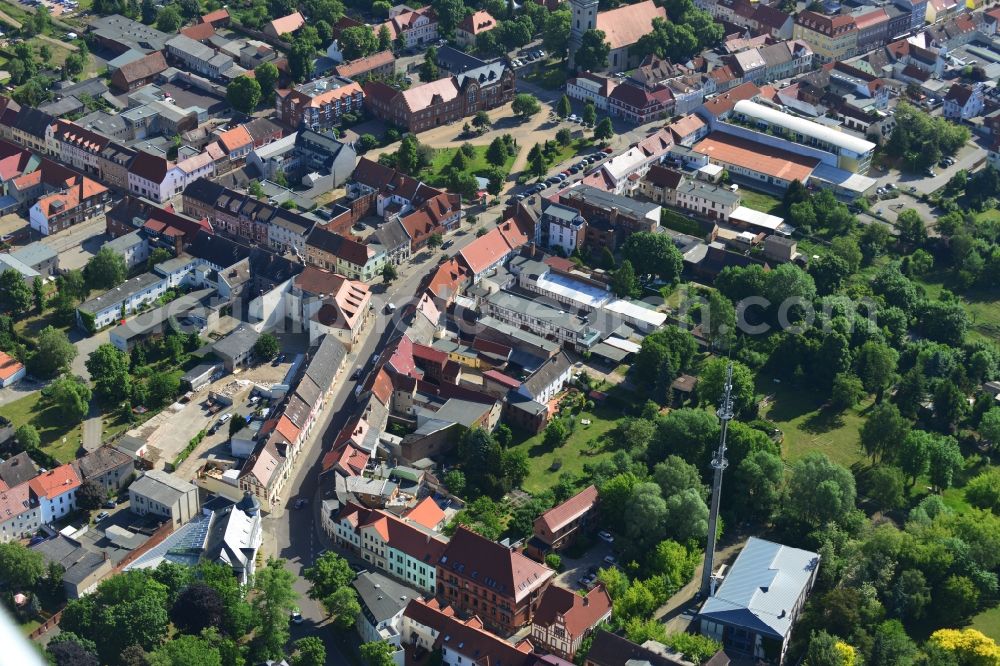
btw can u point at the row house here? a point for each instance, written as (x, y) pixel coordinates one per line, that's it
(56, 491)
(707, 201)
(831, 37)
(82, 200)
(76, 146)
(498, 584)
(564, 618)
(567, 328)
(771, 62)
(387, 191)
(199, 58)
(328, 304)
(107, 467)
(343, 255)
(138, 73)
(113, 163)
(381, 64)
(593, 88)
(611, 218)
(125, 299)
(156, 178)
(660, 184)
(963, 102)
(20, 512)
(319, 104)
(401, 548)
(27, 127)
(438, 215)
(264, 473)
(446, 100)
(872, 27)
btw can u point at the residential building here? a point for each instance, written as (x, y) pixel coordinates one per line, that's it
(563, 227)
(82, 200)
(119, 34)
(55, 491)
(109, 468)
(562, 524)
(498, 584)
(17, 469)
(138, 73)
(340, 254)
(103, 310)
(705, 200)
(28, 127)
(429, 627)
(638, 105)
(831, 37)
(472, 26)
(383, 601)
(132, 247)
(236, 349)
(381, 64)
(395, 240)
(437, 215)
(443, 101)
(331, 304)
(963, 102)
(611, 218)
(324, 154)
(319, 104)
(594, 88)
(753, 611)
(161, 494)
(403, 549)
(199, 58)
(548, 379)
(412, 27)
(608, 649)
(564, 618)
(286, 25)
(566, 328)
(236, 143)
(20, 512)
(275, 157)
(492, 249)
(82, 568)
(156, 178)
(11, 370)
(660, 184)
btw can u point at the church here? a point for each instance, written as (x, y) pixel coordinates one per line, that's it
(622, 28)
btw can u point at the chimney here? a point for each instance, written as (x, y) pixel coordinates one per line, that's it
(586, 600)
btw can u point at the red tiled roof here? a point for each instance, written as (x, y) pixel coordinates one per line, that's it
(448, 279)
(513, 574)
(468, 638)
(426, 513)
(55, 482)
(217, 15)
(199, 31)
(485, 251)
(9, 366)
(144, 67)
(287, 24)
(579, 613)
(577, 505)
(477, 22)
(725, 102)
(366, 64)
(625, 25)
(235, 138)
(502, 379)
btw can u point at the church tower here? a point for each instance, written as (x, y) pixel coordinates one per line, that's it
(584, 19)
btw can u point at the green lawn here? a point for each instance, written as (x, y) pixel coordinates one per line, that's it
(808, 426)
(550, 75)
(30, 626)
(580, 449)
(434, 174)
(988, 622)
(982, 306)
(52, 427)
(765, 203)
(991, 215)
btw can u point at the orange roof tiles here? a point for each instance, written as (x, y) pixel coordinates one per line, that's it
(579, 614)
(577, 505)
(477, 22)
(625, 25)
(287, 429)
(9, 366)
(235, 138)
(757, 157)
(55, 482)
(199, 31)
(287, 24)
(484, 252)
(76, 194)
(426, 513)
(420, 97)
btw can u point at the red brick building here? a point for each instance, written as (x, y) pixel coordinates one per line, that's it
(559, 526)
(480, 577)
(443, 101)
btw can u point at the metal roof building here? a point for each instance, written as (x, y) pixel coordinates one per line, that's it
(752, 612)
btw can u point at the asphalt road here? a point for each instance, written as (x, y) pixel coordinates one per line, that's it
(295, 535)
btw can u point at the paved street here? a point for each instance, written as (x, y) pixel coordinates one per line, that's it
(295, 535)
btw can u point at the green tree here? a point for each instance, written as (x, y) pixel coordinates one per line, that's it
(623, 281)
(185, 650)
(945, 458)
(389, 273)
(718, 320)
(358, 42)
(266, 75)
(712, 380)
(407, 156)
(377, 653)
(482, 122)
(53, 353)
(301, 59)
(38, 294)
(759, 479)
(653, 256)
(819, 491)
(109, 370)
(20, 567)
(847, 390)
(163, 387)
(886, 487)
(883, 432)
(876, 366)
(604, 130)
(454, 481)
(70, 396)
(266, 347)
(824, 650)
(592, 54)
(158, 256)
(536, 161)
(244, 94)
(169, 20)
(272, 602)
(27, 437)
(555, 32)
(91, 495)
(429, 67)
(197, 607)
(384, 38)
(342, 605)
(957, 599)
(589, 115)
(687, 516)
(525, 105)
(309, 651)
(16, 294)
(989, 425)
(105, 270)
(694, 647)
(68, 649)
(556, 433)
(328, 574)
(911, 227)
(564, 108)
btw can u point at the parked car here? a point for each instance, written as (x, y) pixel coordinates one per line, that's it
(101, 516)
(448, 243)
(607, 151)
(296, 616)
(573, 118)
(587, 581)
(356, 375)
(301, 502)
(606, 536)
(110, 504)
(610, 560)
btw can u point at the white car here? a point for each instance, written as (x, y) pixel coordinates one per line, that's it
(606, 536)
(296, 616)
(573, 118)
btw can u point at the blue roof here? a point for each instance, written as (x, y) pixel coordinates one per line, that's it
(762, 588)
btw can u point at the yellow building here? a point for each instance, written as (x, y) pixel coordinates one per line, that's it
(830, 37)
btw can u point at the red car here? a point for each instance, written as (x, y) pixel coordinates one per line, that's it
(607, 150)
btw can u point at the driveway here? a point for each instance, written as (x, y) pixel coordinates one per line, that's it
(590, 562)
(85, 344)
(969, 157)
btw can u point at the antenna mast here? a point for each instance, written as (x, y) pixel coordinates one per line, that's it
(719, 464)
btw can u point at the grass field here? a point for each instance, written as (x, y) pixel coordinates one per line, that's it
(991, 215)
(52, 427)
(434, 174)
(550, 75)
(808, 426)
(982, 306)
(574, 454)
(765, 203)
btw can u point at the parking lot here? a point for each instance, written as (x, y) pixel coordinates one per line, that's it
(592, 560)
(566, 176)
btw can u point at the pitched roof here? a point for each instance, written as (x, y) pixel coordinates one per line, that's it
(477, 22)
(55, 482)
(426, 513)
(235, 138)
(9, 366)
(505, 571)
(366, 64)
(725, 102)
(562, 514)
(610, 649)
(339, 246)
(14, 501)
(579, 613)
(149, 167)
(287, 24)
(448, 279)
(18, 469)
(625, 25)
(485, 251)
(959, 94)
(101, 460)
(664, 177)
(423, 96)
(144, 67)
(757, 156)
(199, 32)
(468, 638)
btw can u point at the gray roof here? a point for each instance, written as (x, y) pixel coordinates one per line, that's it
(545, 375)
(236, 343)
(129, 444)
(129, 56)
(34, 254)
(123, 243)
(151, 320)
(382, 597)
(189, 47)
(518, 334)
(464, 412)
(762, 589)
(325, 361)
(455, 61)
(161, 487)
(120, 293)
(392, 234)
(17, 469)
(104, 123)
(10, 263)
(100, 461)
(131, 33)
(77, 560)
(719, 195)
(484, 75)
(538, 310)
(63, 107)
(561, 212)
(611, 201)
